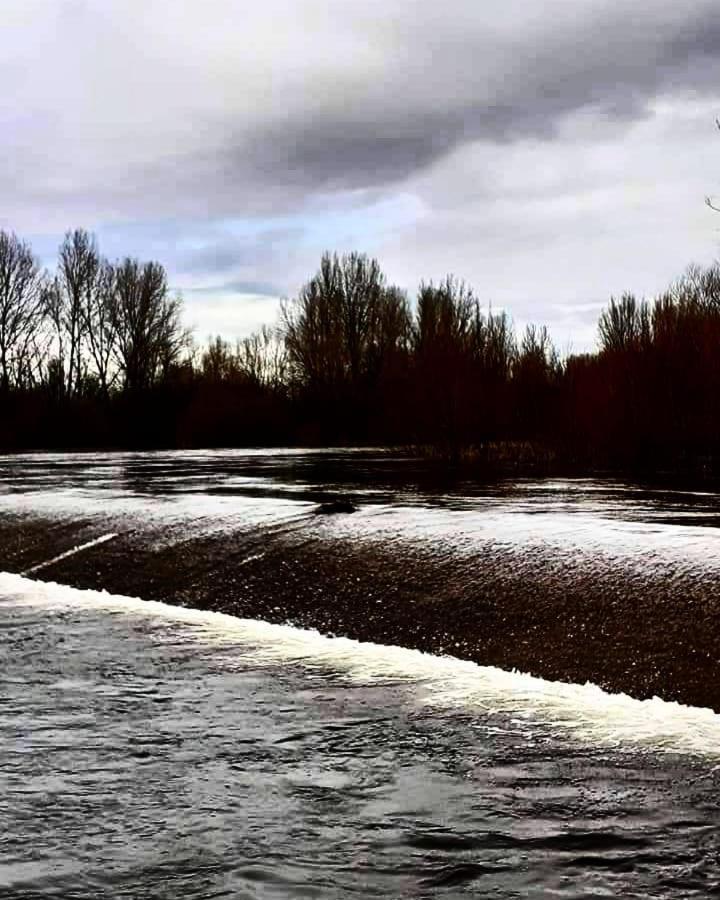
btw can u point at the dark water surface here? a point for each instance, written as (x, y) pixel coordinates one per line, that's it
(175, 496)
(159, 753)
(376, 476)
(151, 751)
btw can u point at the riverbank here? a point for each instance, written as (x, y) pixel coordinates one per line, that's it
(645, 634)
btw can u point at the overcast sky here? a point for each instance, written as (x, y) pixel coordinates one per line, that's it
(550, 152)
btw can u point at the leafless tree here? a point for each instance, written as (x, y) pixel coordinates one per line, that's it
(500, 345)
(340, 321)
(78, 267)
(149, 336)
(537, 347)
(447, 315)
(21, 306)
(709, 200)
(262, 358)
(218, 362)
(624, 324)
(99, 326)
(391, 333)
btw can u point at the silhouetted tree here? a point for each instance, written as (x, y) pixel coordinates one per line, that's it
(624, 325)
(96, 356)
(21, 307)
(218, 363)
(535, 375)
(99, 325)
(262, 358)
(341, 334)
(149, 336)
(448, 336)
(78, 267)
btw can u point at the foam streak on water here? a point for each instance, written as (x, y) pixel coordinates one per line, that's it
(157, 752)
(584, 710)
(103, 539)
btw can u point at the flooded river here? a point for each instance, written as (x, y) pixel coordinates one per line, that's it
(164, 751)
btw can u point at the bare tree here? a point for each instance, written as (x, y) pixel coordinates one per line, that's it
(709, 200)
(313, 331)
(21, 306)
(362, 286)
(447, 315)
(33, 369)
(333, 330)
(149, 337)
(537, 347)
(624, 324)
(78, 267)
(99, 326)
(262, 357)
(499, 346)
(391, 332)
(218, 363)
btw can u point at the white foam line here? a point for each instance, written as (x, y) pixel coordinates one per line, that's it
(586, 711)
(252, 558)
(72, 552)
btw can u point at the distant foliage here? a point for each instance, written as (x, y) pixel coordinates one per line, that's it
(96, 354)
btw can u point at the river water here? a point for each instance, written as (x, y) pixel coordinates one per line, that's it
(186, 493)
(163, 752)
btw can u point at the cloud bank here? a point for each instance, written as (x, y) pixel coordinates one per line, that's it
(549, 152)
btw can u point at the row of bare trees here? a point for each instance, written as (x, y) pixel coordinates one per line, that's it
(98, 353)
(440, 370)
(259, 360)
(348, 326)
(89, 327)
(357, 360)
(659, 364)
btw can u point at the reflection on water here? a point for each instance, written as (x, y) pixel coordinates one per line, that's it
(162, 754)
(157, 753)
(368, 476)
(280, 482)
(184, 494)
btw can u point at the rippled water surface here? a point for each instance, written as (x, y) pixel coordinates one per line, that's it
(150, 751)
(200, 492)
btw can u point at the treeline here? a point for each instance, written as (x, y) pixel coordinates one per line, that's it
(96, 355)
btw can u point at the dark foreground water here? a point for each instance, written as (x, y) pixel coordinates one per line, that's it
(162, 753)
(152, 751)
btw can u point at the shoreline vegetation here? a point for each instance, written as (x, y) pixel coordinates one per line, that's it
(95, 356)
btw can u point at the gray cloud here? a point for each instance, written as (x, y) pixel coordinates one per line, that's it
(252, 289)
(120, 108)
(498, 91)
(527, 134)
(434, 94)
(220, 252)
